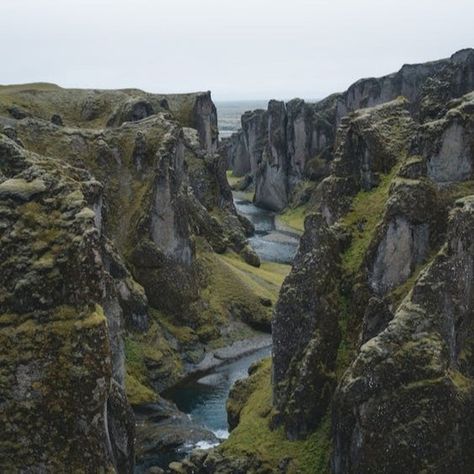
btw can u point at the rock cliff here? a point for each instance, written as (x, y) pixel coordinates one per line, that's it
(303, 146)
(403, 301)
(372, 367)
(62, 373)
(113, 206)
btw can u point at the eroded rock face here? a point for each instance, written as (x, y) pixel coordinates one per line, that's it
(204, 120)
(419, 83)
(401, 249)
(281, 145)
(98, 237)
(403, 297)
(415, 378)
(412, 226)
(306, 332)
(447, 144)
(369, 144)
(60, 328)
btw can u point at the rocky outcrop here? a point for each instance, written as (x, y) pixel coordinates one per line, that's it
(164, 431)
(61, 324)
(306, 333)
(100, 108)
(405, 402)
(426, 86)
(447, 144)
(281, 145)
(372, 330)
(368, 145)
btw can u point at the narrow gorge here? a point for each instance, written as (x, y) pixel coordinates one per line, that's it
(294, 297)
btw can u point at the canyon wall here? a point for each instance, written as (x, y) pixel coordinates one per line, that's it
(372, 367)
(306, 137)
(105, 197)
(398, 202)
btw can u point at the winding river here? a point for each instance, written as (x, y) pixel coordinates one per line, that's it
(204, 399)
(272, 243)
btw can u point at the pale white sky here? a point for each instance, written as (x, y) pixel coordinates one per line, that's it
(242, 49)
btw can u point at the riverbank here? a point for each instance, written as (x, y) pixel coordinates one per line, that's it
(192, 414)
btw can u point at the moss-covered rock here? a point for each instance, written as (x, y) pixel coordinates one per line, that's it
(306, 332)
(415, 377)
(61, 374)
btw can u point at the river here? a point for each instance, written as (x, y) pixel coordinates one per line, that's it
(203, 398)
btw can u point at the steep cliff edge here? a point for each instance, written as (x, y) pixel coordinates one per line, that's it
(62, 372)
(114, 206)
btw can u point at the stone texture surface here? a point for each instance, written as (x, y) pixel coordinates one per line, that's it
(62, 371)
(98, 225)
(306, 333)
(405, 402)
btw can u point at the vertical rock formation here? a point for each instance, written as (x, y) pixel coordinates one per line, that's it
(98, 223)
(271, 181)
(306, 333)
(311, 128)
(405, 403)
(373, 329)
(62, 373)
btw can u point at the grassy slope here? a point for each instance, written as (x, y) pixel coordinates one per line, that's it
(253, 436)
(231, 281)
(366, 212)
(294, 218)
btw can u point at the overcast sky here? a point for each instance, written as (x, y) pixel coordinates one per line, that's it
(239, 49)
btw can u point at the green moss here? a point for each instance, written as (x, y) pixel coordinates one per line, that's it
(137, 393)
(463, 383)
(366, 212)
(253, 436)
(294, 218)
(268, 277)
(232, 180)
(136, 379)
(345, 350)
(458, 190)
(184, 334)
(149, 356)
(236, 183)
(238, 289)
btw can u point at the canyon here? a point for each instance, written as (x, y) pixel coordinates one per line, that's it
(140, 254)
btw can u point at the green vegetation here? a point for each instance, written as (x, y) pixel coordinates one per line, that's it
(344, 352)
(294, 218)
(253, 436)
(136, 377)
(240, 290)
(147, 356)
(236, 184)
(366, 212)
(232, 180)
(235, 290)
(267, 278)
(458, 190)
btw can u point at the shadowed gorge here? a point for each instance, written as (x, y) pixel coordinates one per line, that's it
(292, 297)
